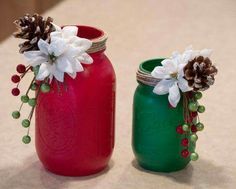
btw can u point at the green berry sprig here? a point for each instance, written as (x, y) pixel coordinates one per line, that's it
(34, 86)
(192, 123)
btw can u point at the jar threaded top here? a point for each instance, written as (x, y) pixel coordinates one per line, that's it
(143, 74)
(97, 36)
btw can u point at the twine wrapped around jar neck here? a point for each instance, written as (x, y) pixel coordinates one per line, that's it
(98, 44)
(146, 78)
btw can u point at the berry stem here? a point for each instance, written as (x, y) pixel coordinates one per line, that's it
(187, 117)
(21, 106)
(32, 109)
(30, 85)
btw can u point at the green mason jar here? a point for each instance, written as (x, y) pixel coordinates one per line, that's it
(155, 141)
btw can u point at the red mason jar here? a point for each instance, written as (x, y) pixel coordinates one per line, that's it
(75, 120)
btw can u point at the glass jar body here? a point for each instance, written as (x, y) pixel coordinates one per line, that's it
(155, 142)
(75, 121)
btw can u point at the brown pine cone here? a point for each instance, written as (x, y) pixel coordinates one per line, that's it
(32, 28)
(200, 73)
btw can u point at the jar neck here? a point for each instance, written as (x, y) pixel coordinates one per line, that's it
(143, 74)
(98, 54)
(97, 36)
(98, 45)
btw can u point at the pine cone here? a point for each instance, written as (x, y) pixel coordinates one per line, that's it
(32, 28)
(200, 73)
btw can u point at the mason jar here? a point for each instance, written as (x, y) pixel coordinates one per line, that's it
(156, 143)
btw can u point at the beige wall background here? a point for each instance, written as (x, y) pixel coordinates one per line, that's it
(138, 30)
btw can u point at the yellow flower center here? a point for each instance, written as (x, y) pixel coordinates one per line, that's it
(174, 75)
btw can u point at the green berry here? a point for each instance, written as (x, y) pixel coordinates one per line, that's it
(185, 127)
(34, 86)
(193, 106)
(200, 126)
(26, 139)
(198, 95)
(45, 88)
(193, 137)
(15, 114)
(25, 123)
(194, 156)
(32, 102)
(24, 98)
(201, 109)
(36, 70)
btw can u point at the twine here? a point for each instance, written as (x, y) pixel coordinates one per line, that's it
(146, 78)
(98, 44)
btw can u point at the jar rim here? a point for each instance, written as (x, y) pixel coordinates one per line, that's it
(96, 35)
(143, 74)
(148, 65)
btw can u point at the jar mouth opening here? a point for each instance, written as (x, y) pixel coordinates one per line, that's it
(149, 65)
(89, 32)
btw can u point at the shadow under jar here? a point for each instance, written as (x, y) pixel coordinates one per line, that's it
(75, 123)
(155, 142)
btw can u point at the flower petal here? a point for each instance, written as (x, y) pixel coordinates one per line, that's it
(174, 95)
(58, 75)
(78, 66)
(54, 72)
(183, 85)
(43, 46)
(82, 44)
(35, 58)
(85, 58)
(57, 28)
(160, 73)
(69, 31)
(163, 86)
(43, 71)
(64, 65)
(175, 54)
(187, 56)
(54, 35)
(181, 70)
(169, 65)
(73, 75)
(57, 47)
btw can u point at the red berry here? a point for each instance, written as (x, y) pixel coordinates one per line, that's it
(185, 153)
(184, 142)
(15, 78)
(194, 128)
(15, 92)
(179, 129)
(194, 114)
(20, 68)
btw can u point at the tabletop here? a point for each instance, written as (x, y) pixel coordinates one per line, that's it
(137, 30)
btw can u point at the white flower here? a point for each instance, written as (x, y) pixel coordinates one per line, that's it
(64, 54)
(171, 75)
(69, 34)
